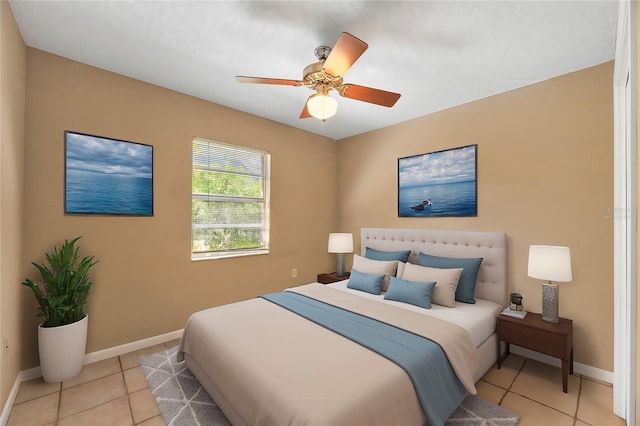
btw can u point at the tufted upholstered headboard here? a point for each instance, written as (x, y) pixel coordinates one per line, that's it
(491, 246)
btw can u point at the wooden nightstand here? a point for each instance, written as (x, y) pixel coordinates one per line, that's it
(533, 333)
(331, 277)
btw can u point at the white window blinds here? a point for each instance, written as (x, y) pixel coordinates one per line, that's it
(230, 203)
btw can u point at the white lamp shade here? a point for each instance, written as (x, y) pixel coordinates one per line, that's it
(551, 263)
(322, 106)
(340, 242)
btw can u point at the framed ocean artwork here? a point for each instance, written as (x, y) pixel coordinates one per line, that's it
(107, 176)
(441, 183)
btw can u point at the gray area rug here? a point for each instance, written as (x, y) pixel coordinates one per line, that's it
(183, 402)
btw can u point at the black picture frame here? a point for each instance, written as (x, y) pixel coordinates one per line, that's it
(440, 183)
(107, 176)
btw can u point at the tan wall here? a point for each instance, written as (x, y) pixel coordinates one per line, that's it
(146, 283)
(12, 108)
(545, 176)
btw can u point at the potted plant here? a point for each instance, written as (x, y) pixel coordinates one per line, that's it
(62, 296)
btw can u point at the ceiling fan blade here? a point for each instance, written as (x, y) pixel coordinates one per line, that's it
(262, 80)
(305, 112)
(368, 94)
(344, 54)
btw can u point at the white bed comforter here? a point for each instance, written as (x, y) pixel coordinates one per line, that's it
(275, 367)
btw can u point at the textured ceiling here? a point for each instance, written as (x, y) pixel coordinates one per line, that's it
(437, 54)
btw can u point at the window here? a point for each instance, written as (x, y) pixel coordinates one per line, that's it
(230, 201)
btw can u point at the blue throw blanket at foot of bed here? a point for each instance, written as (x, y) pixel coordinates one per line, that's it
(437, 386)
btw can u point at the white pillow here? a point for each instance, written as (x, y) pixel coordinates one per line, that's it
(446, 282)
(400, 269)
(370, 266)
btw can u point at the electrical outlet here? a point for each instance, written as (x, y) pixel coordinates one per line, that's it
(5, 347)
(294, 273)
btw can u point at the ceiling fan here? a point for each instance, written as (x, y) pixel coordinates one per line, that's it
(327, 74)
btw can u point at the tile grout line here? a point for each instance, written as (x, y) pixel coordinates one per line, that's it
(575, 417)
(127, 389)
(512, 382)
(59, 403)
(58, 418)
(545, 405)
(578, 405)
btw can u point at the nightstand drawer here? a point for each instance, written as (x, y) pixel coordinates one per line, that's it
(331, 277)
(535, 339)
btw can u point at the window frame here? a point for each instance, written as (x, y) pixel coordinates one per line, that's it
(264, 200)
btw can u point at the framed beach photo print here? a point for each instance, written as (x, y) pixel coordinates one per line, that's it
(107, 176)
(441, 183)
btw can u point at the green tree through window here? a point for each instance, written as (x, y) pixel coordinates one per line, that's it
(229, 208)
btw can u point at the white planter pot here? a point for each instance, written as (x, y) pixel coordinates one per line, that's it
(62, 350)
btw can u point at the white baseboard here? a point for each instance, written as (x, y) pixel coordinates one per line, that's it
(34, 373)
(132, 346)
(6, 410)
(586, 370)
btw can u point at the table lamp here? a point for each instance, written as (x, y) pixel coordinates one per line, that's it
(550, 263)
(340, 243)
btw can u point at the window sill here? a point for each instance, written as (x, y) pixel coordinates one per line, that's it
(226, 255)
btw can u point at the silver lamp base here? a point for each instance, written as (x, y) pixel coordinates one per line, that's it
(340, 265)
(550, 302)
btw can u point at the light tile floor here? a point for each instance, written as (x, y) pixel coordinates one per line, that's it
(533, 390)
(110, 392)
(115, 392)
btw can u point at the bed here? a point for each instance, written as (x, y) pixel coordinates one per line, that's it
(265, 363)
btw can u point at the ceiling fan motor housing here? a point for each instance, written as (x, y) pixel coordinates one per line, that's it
(314, 74)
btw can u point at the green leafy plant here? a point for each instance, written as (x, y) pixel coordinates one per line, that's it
(62, 293)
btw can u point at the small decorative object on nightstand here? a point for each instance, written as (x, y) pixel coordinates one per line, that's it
(532, 332)
(516, 302)
(332, 278)
(513, 313)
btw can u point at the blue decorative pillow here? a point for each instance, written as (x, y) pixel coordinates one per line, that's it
(370, 283)
(374, 254)
(415, 293)
(465, 292)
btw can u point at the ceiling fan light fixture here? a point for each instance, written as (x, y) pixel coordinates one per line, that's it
(326, 75)
(321, 106)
